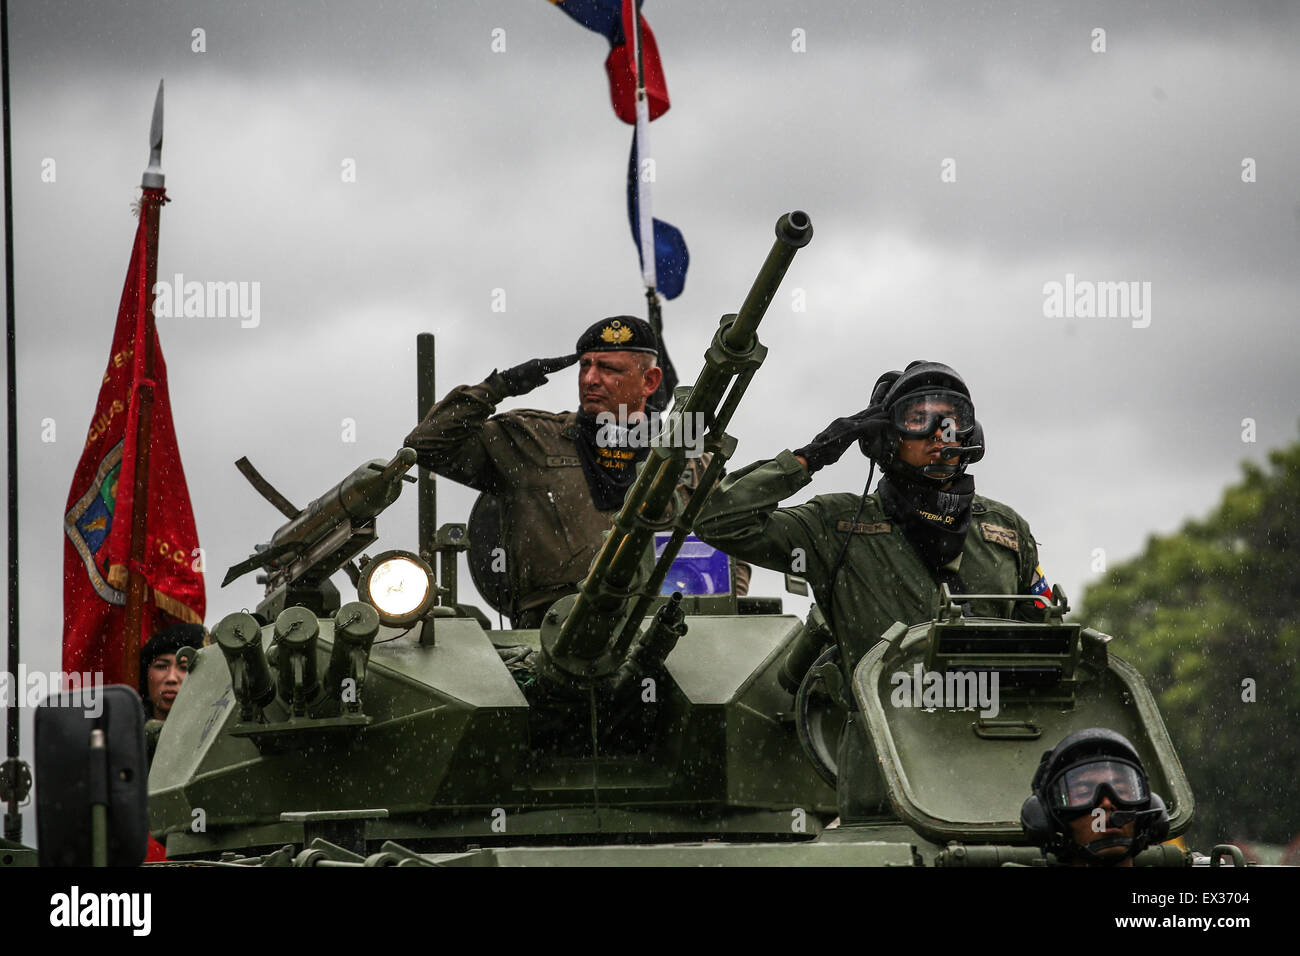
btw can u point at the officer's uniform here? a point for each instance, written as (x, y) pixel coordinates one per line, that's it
(550, 528)
(882, 578)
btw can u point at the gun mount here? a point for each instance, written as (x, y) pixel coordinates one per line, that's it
(587, 636)
(323, 537)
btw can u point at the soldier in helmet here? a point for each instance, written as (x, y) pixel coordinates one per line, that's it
(873, 559)
(879, 558)
(559, 476)
(1092, 804)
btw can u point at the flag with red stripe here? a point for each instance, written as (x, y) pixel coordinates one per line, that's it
(612, 19)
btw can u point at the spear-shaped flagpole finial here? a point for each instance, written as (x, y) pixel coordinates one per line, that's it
(153, 175)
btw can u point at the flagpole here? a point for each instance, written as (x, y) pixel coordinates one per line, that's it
(15, 775)
(645, 216)
(137, 584)
(646, 212)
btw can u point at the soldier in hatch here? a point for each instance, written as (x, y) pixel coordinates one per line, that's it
(559, 476)
(873, 559)
(1092, 804)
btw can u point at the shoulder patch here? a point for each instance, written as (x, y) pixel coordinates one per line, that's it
(562, 461)
(1007, 537)
(875, 527)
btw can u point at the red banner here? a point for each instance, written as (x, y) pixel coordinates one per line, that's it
(97, 521)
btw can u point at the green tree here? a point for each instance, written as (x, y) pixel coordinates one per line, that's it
(1211, 617)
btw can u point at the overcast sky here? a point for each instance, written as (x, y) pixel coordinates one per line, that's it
(479, 170)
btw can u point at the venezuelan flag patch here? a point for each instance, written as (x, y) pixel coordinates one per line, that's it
(1040, 587)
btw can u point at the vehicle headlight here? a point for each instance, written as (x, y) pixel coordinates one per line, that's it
(399, 586)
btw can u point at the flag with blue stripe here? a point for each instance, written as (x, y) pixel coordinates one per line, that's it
(671, 254)
(612, 19)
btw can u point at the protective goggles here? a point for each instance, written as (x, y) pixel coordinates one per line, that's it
(921, 414)
(1081, 787)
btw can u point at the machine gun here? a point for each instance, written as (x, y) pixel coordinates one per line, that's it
(302, 554)
(323, 537)
(587, 639)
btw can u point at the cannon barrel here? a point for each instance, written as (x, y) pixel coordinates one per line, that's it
(793, 231)
(653, 647)
(588, 642)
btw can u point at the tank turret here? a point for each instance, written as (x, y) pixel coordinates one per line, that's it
(633, 727)
(619, 720)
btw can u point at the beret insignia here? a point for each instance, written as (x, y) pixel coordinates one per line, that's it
(616, 333)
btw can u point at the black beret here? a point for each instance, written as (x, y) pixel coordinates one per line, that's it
(620, 333)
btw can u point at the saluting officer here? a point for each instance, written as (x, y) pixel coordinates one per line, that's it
(559, 476)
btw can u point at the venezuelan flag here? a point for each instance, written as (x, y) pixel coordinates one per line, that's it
(612, 19)
(671, 254)
(603, 16)
(1040, 587)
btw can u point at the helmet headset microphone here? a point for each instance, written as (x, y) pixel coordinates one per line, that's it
(1072, 779)
(920, 400)
(919, 379)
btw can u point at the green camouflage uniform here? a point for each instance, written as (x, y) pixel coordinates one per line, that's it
(551, 529)
(881, 580)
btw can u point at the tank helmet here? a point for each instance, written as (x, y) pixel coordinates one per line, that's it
(921, 399)
(1072, 779)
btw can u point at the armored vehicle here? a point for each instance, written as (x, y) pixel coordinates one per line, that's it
(635, 726)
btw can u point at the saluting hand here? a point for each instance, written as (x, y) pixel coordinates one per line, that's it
(830, 444)
(523, 378)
